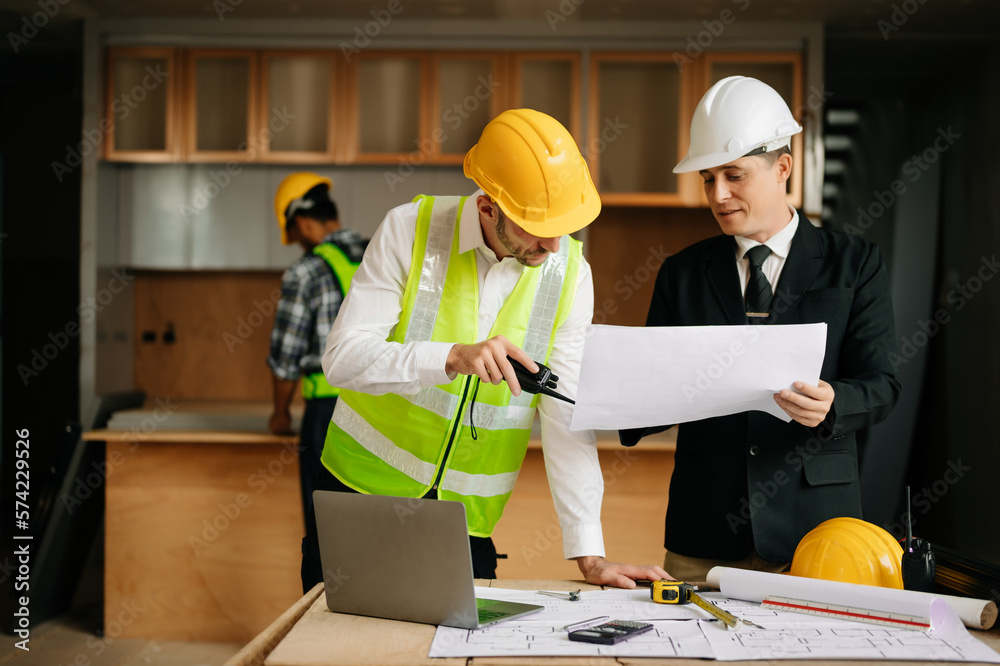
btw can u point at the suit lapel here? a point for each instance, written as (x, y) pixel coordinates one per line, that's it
(800, 269)
(725, 279)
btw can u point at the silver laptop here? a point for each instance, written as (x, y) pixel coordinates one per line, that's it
(402, 559)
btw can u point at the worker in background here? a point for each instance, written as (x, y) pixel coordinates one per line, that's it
(746, 487)
(312, 290)
(450, 287)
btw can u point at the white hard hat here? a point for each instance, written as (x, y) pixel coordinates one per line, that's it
(737, 116)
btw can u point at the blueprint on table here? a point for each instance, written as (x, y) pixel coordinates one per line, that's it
(687, 631)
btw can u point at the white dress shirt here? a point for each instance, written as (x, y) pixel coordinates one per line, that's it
(780, 243)
(359, 358)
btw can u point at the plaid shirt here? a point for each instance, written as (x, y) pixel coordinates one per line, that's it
(310, 301)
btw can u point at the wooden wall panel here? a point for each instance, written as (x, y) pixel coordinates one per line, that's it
(625, 248)
(202, 541)
(222, 322)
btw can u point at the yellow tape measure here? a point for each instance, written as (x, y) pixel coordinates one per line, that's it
(679, 592)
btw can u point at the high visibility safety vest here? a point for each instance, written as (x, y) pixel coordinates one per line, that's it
(315, 385)
(404, 445)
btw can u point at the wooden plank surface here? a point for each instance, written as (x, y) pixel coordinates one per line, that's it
(322, 638)
(256, 651)
(202, 542)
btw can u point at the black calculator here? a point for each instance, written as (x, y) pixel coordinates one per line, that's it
(610, 633)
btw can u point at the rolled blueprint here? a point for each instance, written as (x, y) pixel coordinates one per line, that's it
(755, 585)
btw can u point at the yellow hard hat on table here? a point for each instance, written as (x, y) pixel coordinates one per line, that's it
(850, 551)
(529, 164)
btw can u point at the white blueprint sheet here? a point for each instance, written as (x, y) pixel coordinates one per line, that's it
(786, 635)
(634, 377)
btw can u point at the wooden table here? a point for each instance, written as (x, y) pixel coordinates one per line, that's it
(308, 634)
(203, 533)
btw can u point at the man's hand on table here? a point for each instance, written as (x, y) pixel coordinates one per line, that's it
(598, 571)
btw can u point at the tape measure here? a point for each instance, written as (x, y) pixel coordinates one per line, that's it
(679, 592)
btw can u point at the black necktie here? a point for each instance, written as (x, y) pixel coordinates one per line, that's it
(758, 294)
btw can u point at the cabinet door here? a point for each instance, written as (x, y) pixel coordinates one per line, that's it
(220, 118)
(140, 119)
(783, 72)
(635, 123)
(550, 83)
(468, 93)
(298, 109)
(388, 99)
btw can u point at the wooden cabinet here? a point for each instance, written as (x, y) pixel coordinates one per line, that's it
(220, 106)
(413, 108)
(467, 91)
(386, 102)
(141, 116)
(300, 113)
(638, 116)
(550, 83)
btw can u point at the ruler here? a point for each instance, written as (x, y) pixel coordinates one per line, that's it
(856, 614)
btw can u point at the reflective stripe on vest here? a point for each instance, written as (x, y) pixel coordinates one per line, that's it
(315, 385)
(404, 445)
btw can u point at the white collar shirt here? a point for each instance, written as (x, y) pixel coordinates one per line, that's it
(358, 357)
(780, 244)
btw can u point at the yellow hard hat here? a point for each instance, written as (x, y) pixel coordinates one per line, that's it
(529, 164)
(850, 551)
(291, 190)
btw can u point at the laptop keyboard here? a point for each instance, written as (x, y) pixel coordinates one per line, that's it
(487, 615)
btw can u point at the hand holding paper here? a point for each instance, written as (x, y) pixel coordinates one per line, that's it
(634, 377)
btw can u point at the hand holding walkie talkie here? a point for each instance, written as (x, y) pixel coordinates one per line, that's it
(543, 381)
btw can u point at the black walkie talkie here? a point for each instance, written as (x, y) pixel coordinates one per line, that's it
(918, 558)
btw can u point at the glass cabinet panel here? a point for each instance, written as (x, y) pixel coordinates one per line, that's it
(139, 103)
(548, 86)
(222, 97)
(389, 104)
(298, 99)
(465, 92)
(634, 137)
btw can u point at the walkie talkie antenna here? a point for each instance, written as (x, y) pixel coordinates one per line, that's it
(909, 523)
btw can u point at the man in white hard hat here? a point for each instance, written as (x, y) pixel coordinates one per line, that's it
(746, 487)
(451, 287)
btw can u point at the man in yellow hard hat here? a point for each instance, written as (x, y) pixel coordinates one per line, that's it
(449, 288)
(746, 487)
(312, 290)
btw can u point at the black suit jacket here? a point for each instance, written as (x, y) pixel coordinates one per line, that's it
(750, 480)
